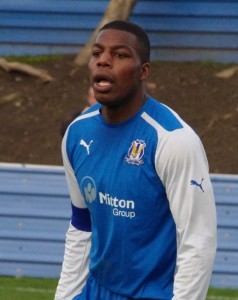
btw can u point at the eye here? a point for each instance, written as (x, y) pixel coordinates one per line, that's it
(121, 55)
(96, 53)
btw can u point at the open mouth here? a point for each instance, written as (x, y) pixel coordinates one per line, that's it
(103, 83)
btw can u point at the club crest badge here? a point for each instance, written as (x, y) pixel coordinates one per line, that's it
(136, 153)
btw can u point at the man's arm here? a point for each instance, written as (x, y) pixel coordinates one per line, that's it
(184, 171)
(75, 266)
(78, 239)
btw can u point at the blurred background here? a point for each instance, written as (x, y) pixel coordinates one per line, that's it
(44, 83)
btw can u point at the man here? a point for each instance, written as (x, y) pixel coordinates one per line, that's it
(143, 216)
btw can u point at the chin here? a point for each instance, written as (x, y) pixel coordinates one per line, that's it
(112, 100)
(105, 99)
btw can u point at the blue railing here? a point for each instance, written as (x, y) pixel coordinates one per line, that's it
(35, 214)
(179, 30)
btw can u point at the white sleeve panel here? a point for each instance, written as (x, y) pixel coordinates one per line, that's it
(78, 243)
(181, 160)
(75, 265)
(74, 191)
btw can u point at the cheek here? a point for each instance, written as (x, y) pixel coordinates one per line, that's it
(129, 76)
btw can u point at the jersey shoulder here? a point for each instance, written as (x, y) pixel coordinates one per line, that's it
(170, 127)
(164, 116)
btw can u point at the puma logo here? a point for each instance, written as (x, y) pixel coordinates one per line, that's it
(194, 182)
(84, 144)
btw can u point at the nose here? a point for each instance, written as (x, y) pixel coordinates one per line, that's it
(104, 60)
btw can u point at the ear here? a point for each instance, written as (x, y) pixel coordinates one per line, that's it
(145, 70)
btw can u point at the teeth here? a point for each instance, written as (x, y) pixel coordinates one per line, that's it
(104, 83)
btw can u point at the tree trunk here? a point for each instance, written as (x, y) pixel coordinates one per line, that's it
(116, 10)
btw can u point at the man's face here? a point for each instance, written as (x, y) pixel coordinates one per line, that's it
(115, 68)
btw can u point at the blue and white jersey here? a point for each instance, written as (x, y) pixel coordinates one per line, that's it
(142, 188)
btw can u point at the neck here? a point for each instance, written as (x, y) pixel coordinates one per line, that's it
(121, 113)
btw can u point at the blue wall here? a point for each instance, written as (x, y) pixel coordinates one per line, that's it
(35, 214)
(179, 30)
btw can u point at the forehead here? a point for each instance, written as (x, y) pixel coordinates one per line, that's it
(114, 37)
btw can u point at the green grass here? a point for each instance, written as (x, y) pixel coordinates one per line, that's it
(218, 294)
(12, 288)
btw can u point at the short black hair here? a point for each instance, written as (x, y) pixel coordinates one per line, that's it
(142, 37)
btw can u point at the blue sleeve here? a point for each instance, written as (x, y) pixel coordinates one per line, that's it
(81, 218)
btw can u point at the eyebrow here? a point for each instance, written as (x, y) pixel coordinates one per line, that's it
(116, 47)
